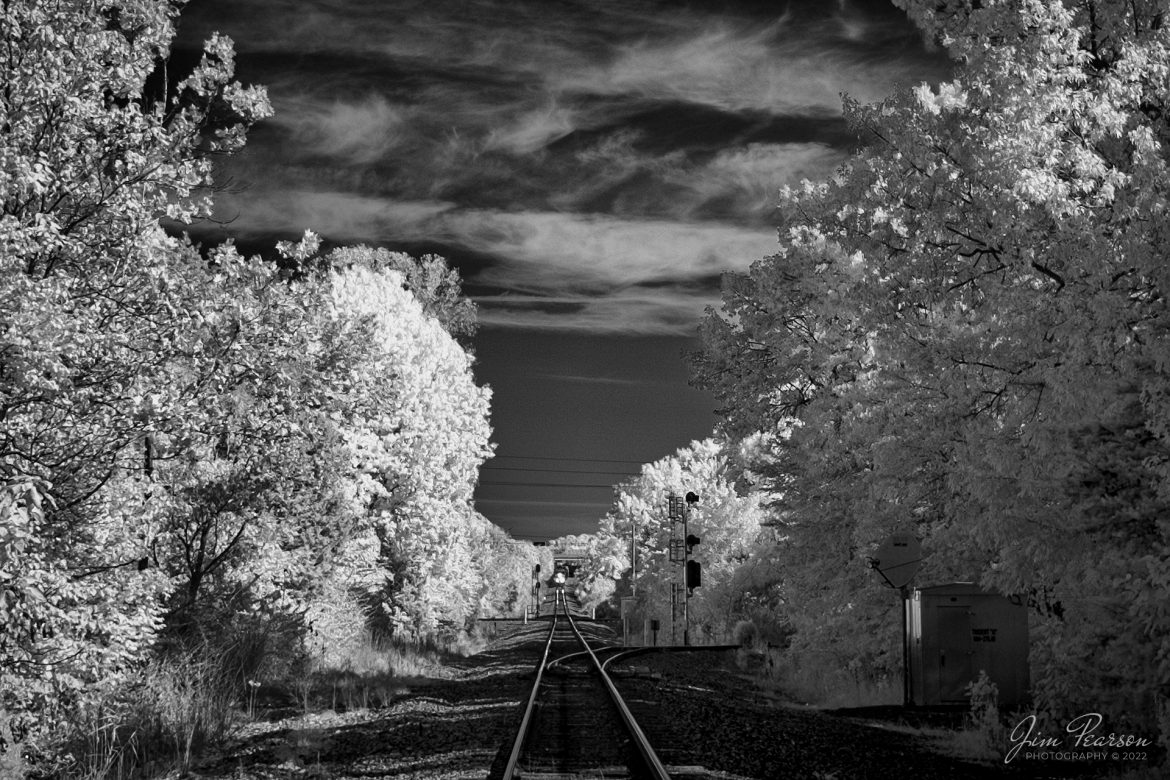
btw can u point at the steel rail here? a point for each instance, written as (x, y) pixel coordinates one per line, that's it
(526, 720)
(632, 651)
(579, 654)
(653, 764)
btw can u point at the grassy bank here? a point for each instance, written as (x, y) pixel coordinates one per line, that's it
(185, 704)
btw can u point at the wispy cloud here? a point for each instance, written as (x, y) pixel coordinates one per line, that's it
(343, 216)
(791, 60)
(754, 174)
(533, 129)
(355, 131)
(557, 250)
(553, 270)
(773, 69)
(739, 184)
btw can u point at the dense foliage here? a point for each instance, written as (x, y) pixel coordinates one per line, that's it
(200, 449)
(963, 335)
(97, 144)
(417, 438)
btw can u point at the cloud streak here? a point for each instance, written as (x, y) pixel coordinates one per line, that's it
(355, 132)
(778, 69)
(549, 269)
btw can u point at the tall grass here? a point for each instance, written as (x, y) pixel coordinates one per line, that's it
(191, 700)
(182, 704)
(820, 679)
(197, 693)
(375, 671)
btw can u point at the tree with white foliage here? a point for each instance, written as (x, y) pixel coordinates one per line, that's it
(417, 439)
(967, 324)
(193, 445)
(504, 568)
(248, 483)
(432, 282)
(97, 143)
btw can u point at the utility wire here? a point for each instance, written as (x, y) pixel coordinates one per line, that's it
(487, 467)
(588, 460)
(543, 484)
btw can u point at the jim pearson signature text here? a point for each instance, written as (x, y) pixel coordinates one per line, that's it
(1084, 742)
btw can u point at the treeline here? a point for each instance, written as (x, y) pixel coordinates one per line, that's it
(964, 335)
(204, 452)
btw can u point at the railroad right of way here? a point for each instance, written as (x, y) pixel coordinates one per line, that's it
(704, 719)
(702, 715)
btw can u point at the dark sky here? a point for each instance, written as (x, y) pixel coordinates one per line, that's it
(590, 167)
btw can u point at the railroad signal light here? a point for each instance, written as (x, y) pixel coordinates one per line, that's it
(694, 574)
(692, 540)
(692, 497)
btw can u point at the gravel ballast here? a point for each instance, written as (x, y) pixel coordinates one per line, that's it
(705, 717)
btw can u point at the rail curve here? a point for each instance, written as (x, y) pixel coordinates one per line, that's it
(556, 716)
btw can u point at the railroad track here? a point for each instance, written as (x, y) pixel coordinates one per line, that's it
(575, 723)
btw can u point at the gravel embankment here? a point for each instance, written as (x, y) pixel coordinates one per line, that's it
(701, 712)
(432, 729)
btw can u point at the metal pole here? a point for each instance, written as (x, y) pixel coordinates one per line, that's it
(905, 647)
(686, 585)
(633, 558)
(673, 604)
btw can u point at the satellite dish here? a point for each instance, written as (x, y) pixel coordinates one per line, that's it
(897, 559)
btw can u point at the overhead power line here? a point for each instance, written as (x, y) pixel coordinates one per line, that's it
(584, 460)
(487, 467)
(608, 486)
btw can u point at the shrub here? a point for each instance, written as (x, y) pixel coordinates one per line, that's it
(984, 718)
(12, 763)
(746, 634)
(183, 704)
